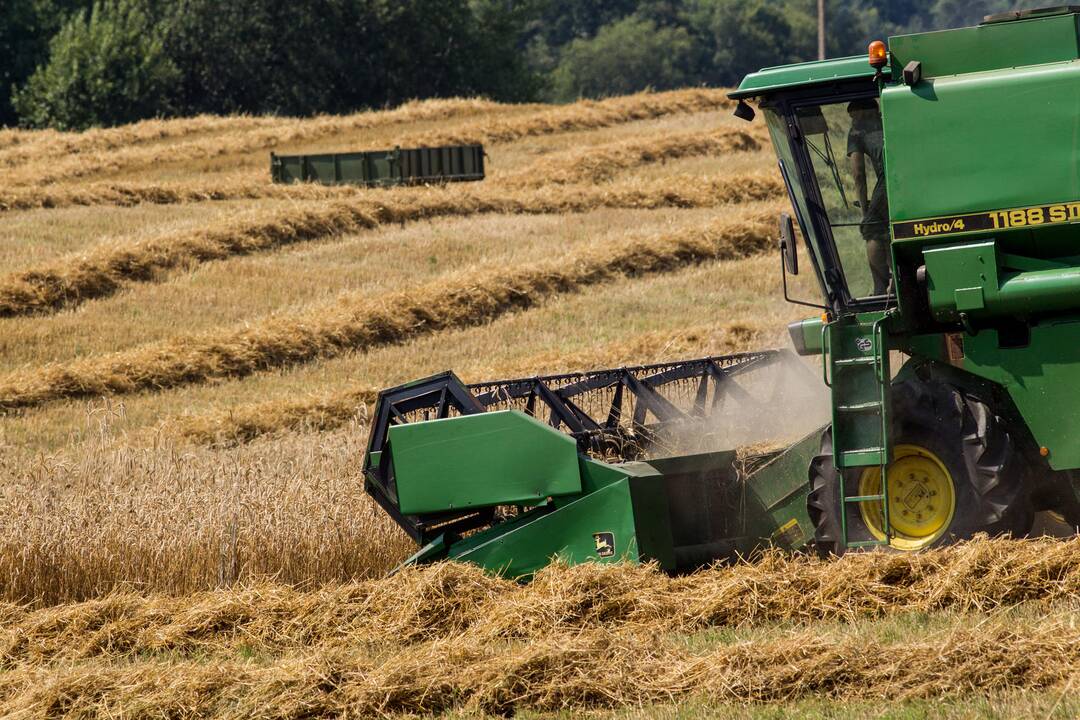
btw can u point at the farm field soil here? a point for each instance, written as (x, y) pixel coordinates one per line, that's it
(188, 357)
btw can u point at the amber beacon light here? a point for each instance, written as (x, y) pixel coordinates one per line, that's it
(879, 55)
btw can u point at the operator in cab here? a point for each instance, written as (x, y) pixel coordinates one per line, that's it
(866, 142)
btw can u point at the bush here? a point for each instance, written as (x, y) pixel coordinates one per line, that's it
(105, 68)
(626, 56)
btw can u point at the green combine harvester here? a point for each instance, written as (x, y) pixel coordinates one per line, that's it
(937, 186)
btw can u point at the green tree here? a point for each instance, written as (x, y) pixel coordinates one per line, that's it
(298, 58)
(105, 67)
(495, 63)
(625, 56)
(25, 29)
(746, 35)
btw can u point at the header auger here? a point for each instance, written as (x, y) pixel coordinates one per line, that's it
(937, 186)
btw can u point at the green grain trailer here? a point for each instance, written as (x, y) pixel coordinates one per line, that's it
(937, 186)
(408, 166)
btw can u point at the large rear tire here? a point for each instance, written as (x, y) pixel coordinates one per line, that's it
(955, 473)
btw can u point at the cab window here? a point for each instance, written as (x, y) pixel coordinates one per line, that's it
(845, 144)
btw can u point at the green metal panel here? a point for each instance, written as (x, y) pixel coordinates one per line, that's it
(493, 458)
(978, 280)
(959, 277)
(987, 47)
(625, 514)
(806, 335)
(990, 141)
(1043, 380)
(382, 167)
(570, 534)
(775, 511)
(801, 74)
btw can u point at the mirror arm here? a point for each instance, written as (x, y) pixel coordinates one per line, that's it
(783, 281)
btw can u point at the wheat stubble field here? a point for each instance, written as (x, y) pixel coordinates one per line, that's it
(188, 357)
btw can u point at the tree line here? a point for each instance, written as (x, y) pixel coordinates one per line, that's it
(73, 64)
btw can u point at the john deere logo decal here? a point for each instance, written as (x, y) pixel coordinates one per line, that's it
(605, 544)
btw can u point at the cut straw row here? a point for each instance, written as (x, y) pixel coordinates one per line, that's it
(603, 162)
(567, 673)
(325, 412)
(597, 163)
(449, 637)
(40, 145)
(249, 135)
(447, 600)
(583, 115)
(355, 322)
(73, 280)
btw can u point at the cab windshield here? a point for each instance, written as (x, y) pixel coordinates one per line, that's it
(844, 143)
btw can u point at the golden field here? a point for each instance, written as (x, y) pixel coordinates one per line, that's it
(188, 357)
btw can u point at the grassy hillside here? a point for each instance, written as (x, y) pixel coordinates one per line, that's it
(188, 358)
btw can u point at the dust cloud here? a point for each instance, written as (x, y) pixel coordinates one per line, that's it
(769, 406)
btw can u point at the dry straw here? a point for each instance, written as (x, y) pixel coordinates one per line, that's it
(568, 673)
(448, 637)
(38, 146)
(449, 599)
(602, 163)
(356, 322)
(73, 280)
(326, 412)
(232, 186)
(561, 673)
(593, 164)
(537, 120)
(225, 138)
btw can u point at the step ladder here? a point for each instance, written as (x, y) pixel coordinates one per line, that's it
(856, 369)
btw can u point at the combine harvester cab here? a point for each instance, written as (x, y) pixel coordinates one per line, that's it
(511, 475)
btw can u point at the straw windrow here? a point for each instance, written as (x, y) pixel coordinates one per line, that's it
(601, 163)
(327, 412)
(596, 163)
(358, 323)
(447, 636)
(104, 153)
(448, 600)
(583, 115)
(70, 281)
(41, 145)
(560, 673)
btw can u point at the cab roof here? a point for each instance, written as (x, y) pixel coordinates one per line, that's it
(1007, 40)
(803, 74)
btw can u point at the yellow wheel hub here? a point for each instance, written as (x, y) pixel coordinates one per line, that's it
(921, 499)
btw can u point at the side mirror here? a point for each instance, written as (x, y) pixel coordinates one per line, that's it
(788, 250)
